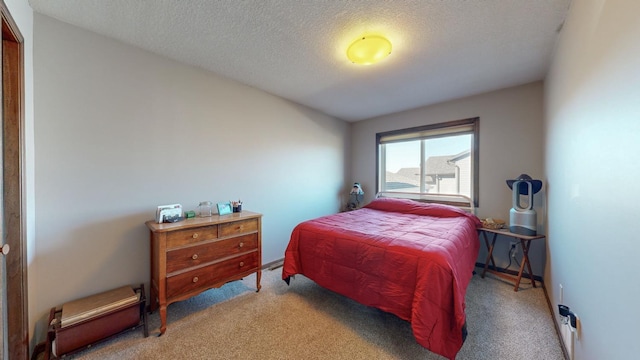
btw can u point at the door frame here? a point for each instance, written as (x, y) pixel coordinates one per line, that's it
(13, 196)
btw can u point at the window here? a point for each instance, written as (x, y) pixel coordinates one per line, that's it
(432, 160)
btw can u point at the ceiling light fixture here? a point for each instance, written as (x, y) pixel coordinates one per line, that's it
(369, 49)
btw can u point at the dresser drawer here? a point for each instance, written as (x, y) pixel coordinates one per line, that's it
(183, 258)
(190, 236)
(211, 275)
(239, 227)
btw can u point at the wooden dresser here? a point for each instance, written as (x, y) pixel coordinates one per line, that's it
(197, 254)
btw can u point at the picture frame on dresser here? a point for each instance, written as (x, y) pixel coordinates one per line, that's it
(224, 208)
(168, 213)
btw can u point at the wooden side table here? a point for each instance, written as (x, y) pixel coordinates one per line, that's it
(525, 241)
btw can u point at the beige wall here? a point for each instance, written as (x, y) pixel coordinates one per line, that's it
(510, 144)
(119, 131)
(592, 102)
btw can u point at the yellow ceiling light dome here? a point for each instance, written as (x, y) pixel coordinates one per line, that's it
(369, 49)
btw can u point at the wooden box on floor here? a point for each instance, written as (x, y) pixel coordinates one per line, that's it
(81, 323)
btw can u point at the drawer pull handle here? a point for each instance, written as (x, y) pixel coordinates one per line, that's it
(241, 244)
(195, 236)
(195, 279)
(194, 257)
(241, 263)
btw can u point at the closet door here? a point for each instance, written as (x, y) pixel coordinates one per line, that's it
(13, 268)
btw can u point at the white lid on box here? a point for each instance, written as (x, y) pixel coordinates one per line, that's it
(78, 310)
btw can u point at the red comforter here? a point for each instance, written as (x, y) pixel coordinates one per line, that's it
(408, 258)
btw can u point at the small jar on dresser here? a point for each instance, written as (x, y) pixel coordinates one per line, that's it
(201, 253)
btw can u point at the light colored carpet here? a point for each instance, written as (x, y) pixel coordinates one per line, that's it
(305, 321)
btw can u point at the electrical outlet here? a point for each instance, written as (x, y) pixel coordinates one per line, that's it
(513, 249)
(561, 294)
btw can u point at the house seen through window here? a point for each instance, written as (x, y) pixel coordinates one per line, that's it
(432, 160)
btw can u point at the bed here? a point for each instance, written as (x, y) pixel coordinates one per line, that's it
(408, 258)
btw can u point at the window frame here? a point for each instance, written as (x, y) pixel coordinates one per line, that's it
(439, 128)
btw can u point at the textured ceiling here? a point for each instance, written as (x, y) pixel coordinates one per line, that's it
(295, 49)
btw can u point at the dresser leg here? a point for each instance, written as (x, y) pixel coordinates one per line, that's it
(163, 318)
(258, 276)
